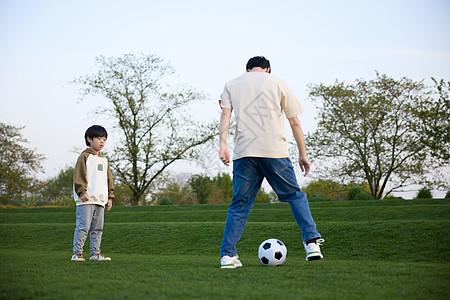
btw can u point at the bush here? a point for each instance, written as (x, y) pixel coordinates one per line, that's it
(65, 201)
(447, 196)
(363, 196)
(352, 192)
(178, 193)
(165, 201)
(320, 199)
(34, 201)
(390, 197)
(15, 202)
(334, 190)
(424, 193)
(262, 196)
(57, 191)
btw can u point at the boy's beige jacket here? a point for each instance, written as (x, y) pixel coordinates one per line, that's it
(92, 176)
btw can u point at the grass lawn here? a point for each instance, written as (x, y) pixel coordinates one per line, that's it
(374, 250)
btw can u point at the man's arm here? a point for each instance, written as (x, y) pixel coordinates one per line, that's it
(297, 130)
(224, 153)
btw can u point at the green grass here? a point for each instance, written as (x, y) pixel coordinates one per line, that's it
(374, 250)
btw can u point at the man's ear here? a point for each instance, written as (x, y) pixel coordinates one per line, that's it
(268, 70)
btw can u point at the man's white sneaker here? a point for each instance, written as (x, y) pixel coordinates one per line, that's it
(313, 250)
(78, 257)
(230, 262)
(99, 257)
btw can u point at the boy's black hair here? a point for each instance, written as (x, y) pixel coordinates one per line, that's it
(93, 132)
(258, 61)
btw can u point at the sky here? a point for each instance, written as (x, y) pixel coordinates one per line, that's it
(44, 45)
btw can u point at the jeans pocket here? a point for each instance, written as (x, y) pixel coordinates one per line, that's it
(279, 165)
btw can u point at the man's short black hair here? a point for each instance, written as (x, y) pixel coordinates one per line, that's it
(93, 132)
(258, 61)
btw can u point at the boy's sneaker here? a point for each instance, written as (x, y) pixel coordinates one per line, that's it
(313, 249)
(99, 257)
(78, 257)
(230, 262)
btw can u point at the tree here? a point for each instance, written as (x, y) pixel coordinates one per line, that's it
(263, 197)
(434, 125)
(202, 186)
(59, 190)
(327, 188)
(353, 192)
(223, 184)
(152, 116)
(370, 129)
(177, 193)
(18, 165)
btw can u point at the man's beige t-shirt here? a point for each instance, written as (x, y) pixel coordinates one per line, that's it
(259, 100)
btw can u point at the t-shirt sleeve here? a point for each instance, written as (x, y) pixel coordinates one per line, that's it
(225, 100)
(289, 102)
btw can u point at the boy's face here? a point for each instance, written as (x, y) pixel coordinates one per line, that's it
(97, 143)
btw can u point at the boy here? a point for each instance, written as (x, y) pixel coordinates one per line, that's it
(93, 189)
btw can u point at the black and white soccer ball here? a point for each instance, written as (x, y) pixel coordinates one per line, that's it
(272, 252)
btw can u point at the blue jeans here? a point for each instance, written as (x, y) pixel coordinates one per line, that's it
(248, 174)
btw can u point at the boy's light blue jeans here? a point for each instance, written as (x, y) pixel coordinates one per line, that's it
(248, 175)
(89, 218)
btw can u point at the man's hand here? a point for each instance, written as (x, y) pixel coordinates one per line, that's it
(85, 197)
(305, 165)
(224, 155)
(109, 204)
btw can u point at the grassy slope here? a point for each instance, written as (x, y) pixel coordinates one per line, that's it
(373, 249)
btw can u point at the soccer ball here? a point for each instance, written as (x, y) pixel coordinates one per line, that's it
(272, 252)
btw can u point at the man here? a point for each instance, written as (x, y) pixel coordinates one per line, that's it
(258, 100)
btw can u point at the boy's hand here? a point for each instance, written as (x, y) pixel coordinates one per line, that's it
(85, 197)
(109, 204)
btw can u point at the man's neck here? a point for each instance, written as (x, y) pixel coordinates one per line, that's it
(259, 69)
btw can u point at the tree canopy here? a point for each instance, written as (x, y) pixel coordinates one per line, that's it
(18, 164)
(389, 132)
(58, 190)
(434, 126)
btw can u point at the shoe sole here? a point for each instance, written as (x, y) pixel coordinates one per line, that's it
(316, 257)
(230, 266)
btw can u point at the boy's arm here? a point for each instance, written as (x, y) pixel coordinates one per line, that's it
(224, 153)
(79, 178)
(297, 130)
(110, 188)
